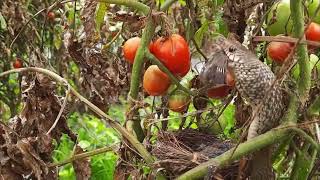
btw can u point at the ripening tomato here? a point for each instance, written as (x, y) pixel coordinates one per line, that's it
(51, 15)
(179, 101)
(174, 53)
(130, 48)
(279, 51)
(17, 63)
(313, 32)
(155, 82)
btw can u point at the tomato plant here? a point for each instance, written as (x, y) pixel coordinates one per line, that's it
(155, 82)
(174, 53)
(179, 101)
(279, 51)
(279, 21)
(17, 63)
(313, 32)
(51, 15)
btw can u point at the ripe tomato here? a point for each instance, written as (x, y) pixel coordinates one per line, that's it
(17, 63)
(179, 101)
(155, 82)
(279, 51)
(174, 53)
(51, 16)
(313, 32)
(279, 21)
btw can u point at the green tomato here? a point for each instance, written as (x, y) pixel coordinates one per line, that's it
(312, 6)
(279, 21)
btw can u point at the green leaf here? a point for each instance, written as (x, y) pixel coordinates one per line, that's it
(84, 144)
(102, 8)
(200, 33)
(3, 24)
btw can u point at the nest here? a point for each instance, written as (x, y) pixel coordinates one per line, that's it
(178, 152)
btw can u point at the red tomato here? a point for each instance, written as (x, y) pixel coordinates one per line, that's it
(51, 15)
(173, 53)
(279, 51)
(313, 32)
(17, 63)
(155, 82)
(179, 101)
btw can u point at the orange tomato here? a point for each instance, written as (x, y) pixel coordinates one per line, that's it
(155, 82)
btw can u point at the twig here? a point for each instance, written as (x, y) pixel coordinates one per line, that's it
(84, 155)
(285, 39)
(60, 112)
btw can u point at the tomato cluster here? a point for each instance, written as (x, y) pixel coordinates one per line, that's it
(279, 22)
(172, 51)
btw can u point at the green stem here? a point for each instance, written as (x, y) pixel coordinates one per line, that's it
(271, 137)
(84, 155)
(163, 68)
(130, 3)
(167, 4)
(133, 125)
(314, 109)
(304, 82)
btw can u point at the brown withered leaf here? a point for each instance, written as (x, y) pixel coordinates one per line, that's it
(25, 146)
(81, 166)
(88, 18)
(104, 76)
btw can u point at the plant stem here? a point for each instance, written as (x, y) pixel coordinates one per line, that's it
(133, 124)
(84, 155)
(304, 81)
(130, 3)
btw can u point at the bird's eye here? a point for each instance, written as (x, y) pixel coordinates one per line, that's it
(232, 49)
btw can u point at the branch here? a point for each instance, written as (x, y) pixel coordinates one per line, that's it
(84, 155)
(130, 3)
(285, 39)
